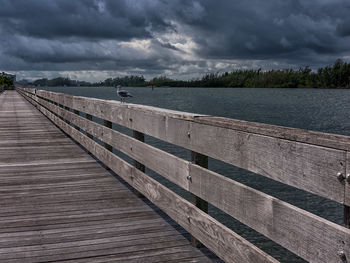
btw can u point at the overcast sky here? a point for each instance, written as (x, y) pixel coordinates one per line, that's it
(96, 39)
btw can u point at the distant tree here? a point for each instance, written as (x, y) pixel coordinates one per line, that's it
(335, 76)
(5, 81)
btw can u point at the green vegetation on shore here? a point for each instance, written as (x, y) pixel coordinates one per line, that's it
(5, 81)
(60, 82)
(335, 76)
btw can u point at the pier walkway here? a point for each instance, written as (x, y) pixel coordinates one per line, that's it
(57, 203)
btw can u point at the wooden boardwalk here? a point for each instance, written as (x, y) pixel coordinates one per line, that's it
(57, 203)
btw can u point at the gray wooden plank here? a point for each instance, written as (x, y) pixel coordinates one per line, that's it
(272, 217)
(152, 227)
(58, 203)
(68, 250)
(89, 220)
(54, 199)
(45, 191)
(347, 181)
(155, 255)
(73, 227)
(63, 172)
(310, 137)
(58, 179)
(218, 190)
(170, 166)
(183, 212)
(52, 220)
(80, 206)
(49, 167)
(60, 184)
(309, 167)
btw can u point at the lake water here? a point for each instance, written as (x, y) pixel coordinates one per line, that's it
(313, 109)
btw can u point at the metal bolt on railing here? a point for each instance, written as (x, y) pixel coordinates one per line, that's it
(340, 177)
(348, 178)
(342, 256)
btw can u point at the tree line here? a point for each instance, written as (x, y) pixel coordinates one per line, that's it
(5, 81)
(60, 81)
(335, 76)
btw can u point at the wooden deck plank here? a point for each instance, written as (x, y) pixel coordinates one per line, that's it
(49, 221)
(156, 255)
(48, 167)
(89, 224)
(151, 226)
(97, 249)
(58, 203)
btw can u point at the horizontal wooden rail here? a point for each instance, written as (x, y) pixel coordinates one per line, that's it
(311, 237)
(224, 242)
(171, 167)
(312, 168)
(335, 141)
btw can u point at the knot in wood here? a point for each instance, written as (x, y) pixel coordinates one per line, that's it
(342, 256)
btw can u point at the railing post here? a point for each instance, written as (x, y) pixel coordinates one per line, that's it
(68, 109)
(89, 117)
(346, 181)
(201, 160)
(36, 99)
(61, 106)
(56, 104)
(347, 216)
(141, 137)
(77, 113)
(108, 124)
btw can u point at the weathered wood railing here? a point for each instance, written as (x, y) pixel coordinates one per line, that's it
(312, 161)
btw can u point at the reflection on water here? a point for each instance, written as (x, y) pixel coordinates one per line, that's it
(312, 109)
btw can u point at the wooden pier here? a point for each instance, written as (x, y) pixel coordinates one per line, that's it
(59, 204)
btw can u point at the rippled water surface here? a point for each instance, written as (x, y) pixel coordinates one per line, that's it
(313, 109)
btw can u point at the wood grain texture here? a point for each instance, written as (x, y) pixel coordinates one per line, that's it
(347, 182)
(200, 160)
(140, 137)
(159, 255)
(328, 140)
(291, 158)
(309, 236)
(269, 216)
(346, 218)
(308, 167)
(165, 164)
(57, 203)
(335, 141)
(210, 232)
(89, 117)
(108, 125)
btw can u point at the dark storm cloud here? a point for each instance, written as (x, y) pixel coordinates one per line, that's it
(170, 46)
(264, 29)
(175, 37)
(78, 18)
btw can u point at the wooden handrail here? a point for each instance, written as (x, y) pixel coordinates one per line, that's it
(310, 167)
(318, 157)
